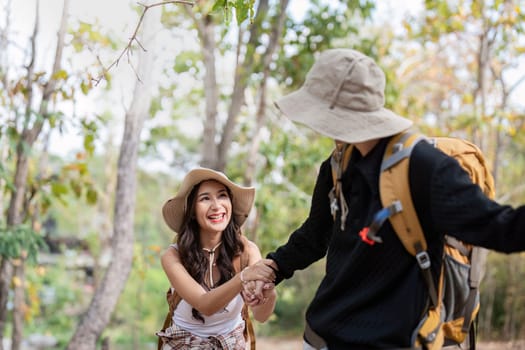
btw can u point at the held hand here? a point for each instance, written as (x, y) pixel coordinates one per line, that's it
(249, 293)
(258, 272)
(256, 279)
(267, 292)
(257, 292)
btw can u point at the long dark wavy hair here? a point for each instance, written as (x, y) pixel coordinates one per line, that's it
(194, 258)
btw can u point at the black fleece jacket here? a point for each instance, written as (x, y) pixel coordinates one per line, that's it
(373, 296)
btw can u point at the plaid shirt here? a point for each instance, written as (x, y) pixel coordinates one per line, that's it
(176, 338)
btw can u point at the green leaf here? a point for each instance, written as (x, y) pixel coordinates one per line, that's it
(218, 5)
(185, 61)
(241, 11)
(85, 87)
(91, 196)
(14, 241)
(76, 187)
(61, 74)
(58, 189)
(89, 143)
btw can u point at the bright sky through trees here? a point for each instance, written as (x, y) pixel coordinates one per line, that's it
(117, 17)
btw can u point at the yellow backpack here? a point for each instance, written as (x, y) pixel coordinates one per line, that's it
(455, 301)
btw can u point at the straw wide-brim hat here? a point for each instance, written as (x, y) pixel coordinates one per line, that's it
(343, 98)
(174, 209)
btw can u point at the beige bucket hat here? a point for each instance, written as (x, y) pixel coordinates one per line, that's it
(242, 197)
(343, 98)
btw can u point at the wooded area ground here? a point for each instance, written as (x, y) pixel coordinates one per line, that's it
(266, 343)
(296, 344)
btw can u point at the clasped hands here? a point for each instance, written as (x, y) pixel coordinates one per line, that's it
(259, 282)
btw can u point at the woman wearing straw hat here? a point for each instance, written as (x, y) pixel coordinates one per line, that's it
(203, 266)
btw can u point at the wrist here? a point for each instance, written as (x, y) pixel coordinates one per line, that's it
(241, 276)
(274, 267)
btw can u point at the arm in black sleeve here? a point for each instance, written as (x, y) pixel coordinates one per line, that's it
(459, 208)
(309, 242)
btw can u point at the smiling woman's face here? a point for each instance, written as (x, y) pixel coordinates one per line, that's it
(213, 207)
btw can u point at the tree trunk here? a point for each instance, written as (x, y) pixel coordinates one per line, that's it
(6, 272)
(19, 305)
(29, 136)
(261, 108)
(14, 217)
(27, 139)
(106, 295)
(213, 155)
(249, 174)
(6, 12)
(242, 73)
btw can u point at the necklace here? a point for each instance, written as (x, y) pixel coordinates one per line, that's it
(211, 259)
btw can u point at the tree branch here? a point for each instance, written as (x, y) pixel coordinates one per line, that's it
(127, 49)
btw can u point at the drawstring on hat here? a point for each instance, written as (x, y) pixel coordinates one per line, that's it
(211, 259)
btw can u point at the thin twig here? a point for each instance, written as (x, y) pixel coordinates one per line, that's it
(127, 50)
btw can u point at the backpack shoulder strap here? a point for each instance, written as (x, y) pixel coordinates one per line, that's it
(173, 299)
(394, 189)
(339, 162)
(394, 186)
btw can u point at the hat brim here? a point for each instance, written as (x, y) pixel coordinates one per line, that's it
(174, 209)
(344, 124)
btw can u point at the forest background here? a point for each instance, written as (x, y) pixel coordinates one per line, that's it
(101, 118)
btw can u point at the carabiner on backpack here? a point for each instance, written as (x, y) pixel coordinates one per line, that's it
(369, 234)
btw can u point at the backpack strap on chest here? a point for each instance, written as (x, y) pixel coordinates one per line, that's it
(394, 187)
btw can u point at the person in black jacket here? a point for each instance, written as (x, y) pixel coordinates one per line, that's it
(374, 296)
